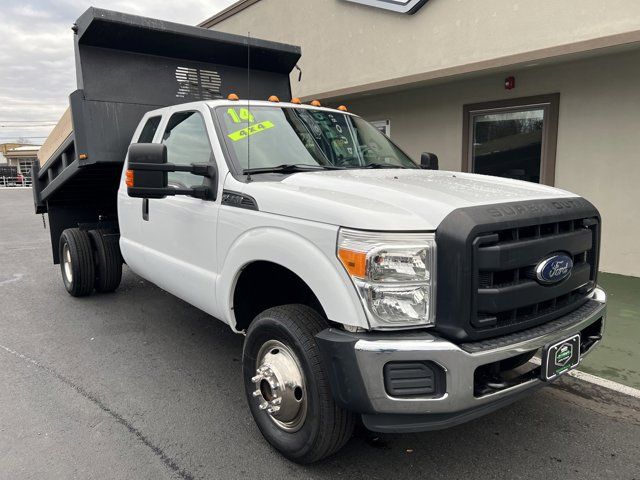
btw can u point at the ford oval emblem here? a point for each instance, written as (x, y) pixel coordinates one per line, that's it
(554, 269)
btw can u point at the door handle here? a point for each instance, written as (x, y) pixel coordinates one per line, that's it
(145, 209)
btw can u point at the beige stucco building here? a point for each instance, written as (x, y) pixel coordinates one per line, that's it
(542, 91)
(19, 156)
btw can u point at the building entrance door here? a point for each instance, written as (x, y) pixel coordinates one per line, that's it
(513, 139)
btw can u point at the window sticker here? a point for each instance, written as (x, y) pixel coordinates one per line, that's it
(251, 130)
(243, 115)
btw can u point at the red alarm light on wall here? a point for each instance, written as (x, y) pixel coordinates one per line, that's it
(510, 83)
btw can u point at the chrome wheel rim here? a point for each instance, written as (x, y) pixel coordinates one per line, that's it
(66, 263)
(280, 387)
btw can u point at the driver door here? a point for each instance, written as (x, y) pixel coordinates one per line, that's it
(180, 231)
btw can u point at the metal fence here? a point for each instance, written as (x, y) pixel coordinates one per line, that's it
(19, 181)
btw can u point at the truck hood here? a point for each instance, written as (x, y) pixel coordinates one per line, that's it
(388, 199)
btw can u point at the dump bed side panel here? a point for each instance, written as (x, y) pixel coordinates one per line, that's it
(59, 134)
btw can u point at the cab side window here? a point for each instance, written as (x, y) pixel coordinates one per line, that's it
(149, 130)
(187, 142)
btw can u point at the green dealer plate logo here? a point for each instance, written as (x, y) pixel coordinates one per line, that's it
(560, 357)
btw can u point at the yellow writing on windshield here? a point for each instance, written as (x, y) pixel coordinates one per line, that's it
(244, 115)
(251, 130)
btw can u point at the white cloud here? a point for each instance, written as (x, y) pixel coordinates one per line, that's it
(37, 71)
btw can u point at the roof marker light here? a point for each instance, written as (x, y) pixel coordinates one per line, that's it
(296, 100)
(342, 108)
(273, 98)
(233, 97)
(315, 103)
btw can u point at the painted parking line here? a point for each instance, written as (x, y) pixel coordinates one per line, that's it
(602, 382)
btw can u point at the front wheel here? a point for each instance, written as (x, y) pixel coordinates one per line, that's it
(287, 387)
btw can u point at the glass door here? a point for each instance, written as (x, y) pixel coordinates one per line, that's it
(513, 141)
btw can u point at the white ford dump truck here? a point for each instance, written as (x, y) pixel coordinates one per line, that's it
(365, 285)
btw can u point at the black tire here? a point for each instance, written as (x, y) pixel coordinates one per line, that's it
(108, 261)
(326, 427)
(81, 276)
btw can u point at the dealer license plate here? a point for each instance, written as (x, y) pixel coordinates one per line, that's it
(560, 357)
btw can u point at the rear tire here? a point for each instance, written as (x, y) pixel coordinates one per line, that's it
(320, 427)
(108, 261)
(76, 262)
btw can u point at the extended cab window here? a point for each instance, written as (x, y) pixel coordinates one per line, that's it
(303, 136)
(187, 142)
(149, 130)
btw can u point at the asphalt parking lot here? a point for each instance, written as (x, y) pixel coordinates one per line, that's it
(140, 385)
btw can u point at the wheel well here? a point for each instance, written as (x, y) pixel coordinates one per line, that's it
(263, 285)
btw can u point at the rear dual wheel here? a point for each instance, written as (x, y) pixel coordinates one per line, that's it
(89, 260)
(76, 262)
(287, 386)
(108, 261)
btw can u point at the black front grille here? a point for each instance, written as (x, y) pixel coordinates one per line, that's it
(507, 293)
(487, 257)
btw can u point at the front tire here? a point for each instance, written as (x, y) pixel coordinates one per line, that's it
(76, 262)
(287, 387)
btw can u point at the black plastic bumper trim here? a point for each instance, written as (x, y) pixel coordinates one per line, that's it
(338, 354)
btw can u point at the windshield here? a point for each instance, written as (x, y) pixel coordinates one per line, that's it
(277, 136)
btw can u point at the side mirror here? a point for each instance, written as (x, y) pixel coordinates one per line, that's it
(429, 161)
(147, 183)
(146, 175)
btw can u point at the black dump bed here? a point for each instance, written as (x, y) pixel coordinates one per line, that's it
(127, 65)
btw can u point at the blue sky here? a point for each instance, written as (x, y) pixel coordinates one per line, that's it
(36, 55)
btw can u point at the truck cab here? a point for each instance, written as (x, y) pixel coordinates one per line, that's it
(366, 285)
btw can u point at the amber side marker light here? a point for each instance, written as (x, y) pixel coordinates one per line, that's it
(296, 100)
(274, 99)
(233, 97)
(315, 103)
(342, 108)
(354, 262)
(83, 156)
(128, 176)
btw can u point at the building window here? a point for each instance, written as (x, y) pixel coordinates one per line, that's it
(513, 138)
(383, 125)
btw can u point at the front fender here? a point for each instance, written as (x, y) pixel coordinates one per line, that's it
(324, 275)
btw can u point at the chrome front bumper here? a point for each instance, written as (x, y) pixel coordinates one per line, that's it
(361, 387)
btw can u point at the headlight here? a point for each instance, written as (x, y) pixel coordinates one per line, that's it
(394, 274)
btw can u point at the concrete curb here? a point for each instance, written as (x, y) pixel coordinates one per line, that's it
(602, 382)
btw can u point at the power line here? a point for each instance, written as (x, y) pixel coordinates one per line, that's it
(20, 136)
(34, 102)
(28, 126)
(28, 121)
